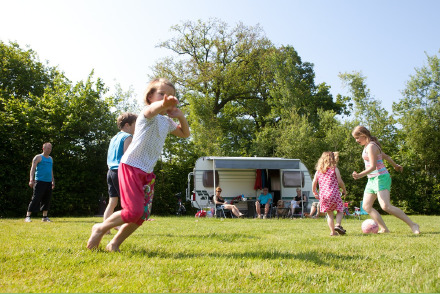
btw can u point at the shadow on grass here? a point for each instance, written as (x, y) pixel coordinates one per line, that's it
(75, 221)
(335, 260)
(224, 237)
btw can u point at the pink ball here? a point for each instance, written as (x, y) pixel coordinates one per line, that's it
(369, 226)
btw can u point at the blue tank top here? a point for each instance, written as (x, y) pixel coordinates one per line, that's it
(43, 171)
(116, 149)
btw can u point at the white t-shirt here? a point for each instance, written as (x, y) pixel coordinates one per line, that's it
(148, 140)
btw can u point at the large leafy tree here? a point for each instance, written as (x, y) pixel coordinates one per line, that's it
(235, 83)
(216, 71)
(39, 104)
(419, 116)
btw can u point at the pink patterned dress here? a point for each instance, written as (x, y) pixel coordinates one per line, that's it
(329, 196)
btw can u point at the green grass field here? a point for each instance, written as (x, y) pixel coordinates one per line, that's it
(172, 254)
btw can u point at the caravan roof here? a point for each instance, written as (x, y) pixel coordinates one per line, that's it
(254, 162)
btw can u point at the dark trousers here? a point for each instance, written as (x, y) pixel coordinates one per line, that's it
(41, 197)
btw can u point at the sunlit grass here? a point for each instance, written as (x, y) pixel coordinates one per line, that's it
(172, 254)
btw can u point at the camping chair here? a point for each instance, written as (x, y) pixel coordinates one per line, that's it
(219, 211)
(347, 212)
(263, 207)
(360, 211)
(299, 211)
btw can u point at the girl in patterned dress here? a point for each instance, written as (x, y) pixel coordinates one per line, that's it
(379, 180)
(329, 180)
(135, 172)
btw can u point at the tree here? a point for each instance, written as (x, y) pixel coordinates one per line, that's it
(38, 104)
(419, 116)
(234, 83)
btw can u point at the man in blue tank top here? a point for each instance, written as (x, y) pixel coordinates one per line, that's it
(119, 143)
(42, 182)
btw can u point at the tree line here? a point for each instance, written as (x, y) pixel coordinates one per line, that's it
(243, 96)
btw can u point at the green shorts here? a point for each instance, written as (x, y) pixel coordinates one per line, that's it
(379, 183)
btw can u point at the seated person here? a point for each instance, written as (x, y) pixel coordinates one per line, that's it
(298, 202)
(314, 211)
(219, 201)
(264, 199)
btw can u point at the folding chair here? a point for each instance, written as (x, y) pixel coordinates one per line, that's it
(347, 212)
(263, 207)
(219, 211)
(360, 211)
(299, 211)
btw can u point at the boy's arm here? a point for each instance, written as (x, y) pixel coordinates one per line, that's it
(127, 143)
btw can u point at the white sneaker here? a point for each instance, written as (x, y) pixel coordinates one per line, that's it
(46, 219)
(28, 219)
(264, 217)
(259, 216)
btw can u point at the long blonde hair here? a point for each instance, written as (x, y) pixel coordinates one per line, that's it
(326, 161)
(363, 131)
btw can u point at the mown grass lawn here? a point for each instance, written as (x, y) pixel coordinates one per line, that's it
(172, 254)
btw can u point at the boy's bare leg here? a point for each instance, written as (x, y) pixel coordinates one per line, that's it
(124, 232)
(112, 203)
(98, 230)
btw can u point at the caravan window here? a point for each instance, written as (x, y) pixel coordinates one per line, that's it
(293, 179)
(208, 179)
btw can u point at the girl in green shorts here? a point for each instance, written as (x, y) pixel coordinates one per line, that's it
(379, 180)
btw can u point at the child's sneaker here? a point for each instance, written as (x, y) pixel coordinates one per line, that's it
(46, 219)
(28, 219)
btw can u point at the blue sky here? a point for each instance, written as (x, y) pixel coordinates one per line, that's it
(385, 40)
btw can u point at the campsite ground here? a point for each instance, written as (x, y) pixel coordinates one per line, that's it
(184, 254)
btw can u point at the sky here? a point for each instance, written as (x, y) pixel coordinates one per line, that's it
(385, 40)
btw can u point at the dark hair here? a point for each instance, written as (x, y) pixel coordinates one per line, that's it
(126, 118)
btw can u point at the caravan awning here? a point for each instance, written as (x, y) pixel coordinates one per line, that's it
(266, 163)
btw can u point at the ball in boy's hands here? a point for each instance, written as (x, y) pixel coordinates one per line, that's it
(369, 226)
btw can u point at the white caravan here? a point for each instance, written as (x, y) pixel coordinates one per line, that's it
(245, 176)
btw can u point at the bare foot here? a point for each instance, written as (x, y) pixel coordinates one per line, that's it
(383, 232)
(334, 234)
(112, 247)
(95, 237)
(415, 228)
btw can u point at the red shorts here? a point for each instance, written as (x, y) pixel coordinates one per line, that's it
(137, 189)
